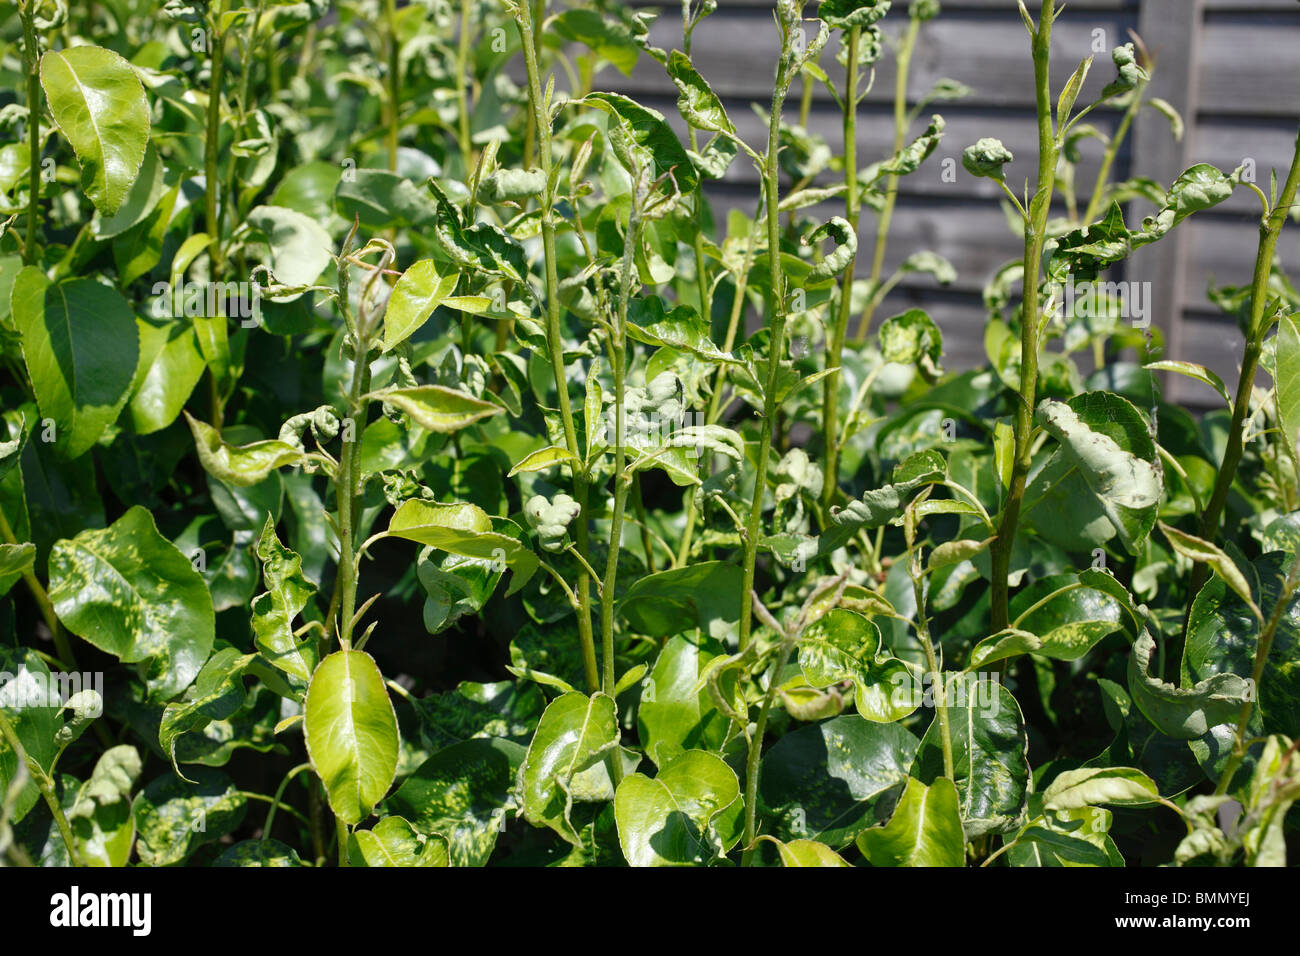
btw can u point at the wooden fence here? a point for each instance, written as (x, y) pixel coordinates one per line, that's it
(1231, 67)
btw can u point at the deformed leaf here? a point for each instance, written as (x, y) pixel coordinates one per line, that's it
(689, 813)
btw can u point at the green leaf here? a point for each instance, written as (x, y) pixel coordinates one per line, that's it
(573, 735)
(1103, 439)
(217, 693)
(274, 610)
(1204, 552)
(847, 14)
(1192, 370)
(824, 781)
(696, 101)
(704, 595)
(393, 842)
(542, 459)
(608, 39)
(885, 504)
(807, 853)
(436, 408)
(990, 754)
(382, 200)
(641, 139)
(128, 591)
(456, 586)
(102, 824)
(173, 818)
(81, 346)
(171, 364)
(1090, 786)
(419, 291)
(925, 829)
(16, 558)
(913, 339)
(25, 701)
(676, 713)
(239, 465)
(1287, 379)
(1223, 636)
(681, 329)
(351, 733)
(461, 794)
(689, 814)
(463, 529)
(300, 248)
(841, 256)
(844, 645)
(1184, 713)
(257, 853)
(98, 103)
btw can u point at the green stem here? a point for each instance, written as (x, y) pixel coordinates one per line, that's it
(462, 82)
(394, 80)
(1035, 234)
(279, 794)
(1262, 650)
(1269, 231)
(31, 58)
(44, 783)
(719, 384)
(753, 757)
(831, 387)
(341, 834)
(554, 339)
(905, 48)
(936, 674)
(212, 142)
(776, 347)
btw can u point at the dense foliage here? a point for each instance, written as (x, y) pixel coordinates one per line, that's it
(404, 463)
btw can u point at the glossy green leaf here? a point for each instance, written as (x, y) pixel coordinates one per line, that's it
(925, 829)
(81, 346)
(824, 781)
(1287, 380)
(393, 842)
(676, 713)
(1183, 712)
(128, 591)
(1086, 787)
(419, 291)
(807, 853)
(99, 104)
(691, 812)
(575, 732)
(351, 733)
(173, 818)
(466, 530)
(704, 595)
(990, 753)
(461, 795)
(217, 692)
(845, 645)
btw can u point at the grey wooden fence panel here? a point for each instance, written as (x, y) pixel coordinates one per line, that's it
(1229, 65)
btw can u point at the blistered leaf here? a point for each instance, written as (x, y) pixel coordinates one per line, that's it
(844, 645)
(239, 465)
(461, 795)
(217, 692)
(838, 259)
(439, 409)
(128, 591)
(393, 842)
(1105, 438)
(1183, 712)
(466, 530)
(986, 158)
(275, 609)
(173, 818)
(1090, 786)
